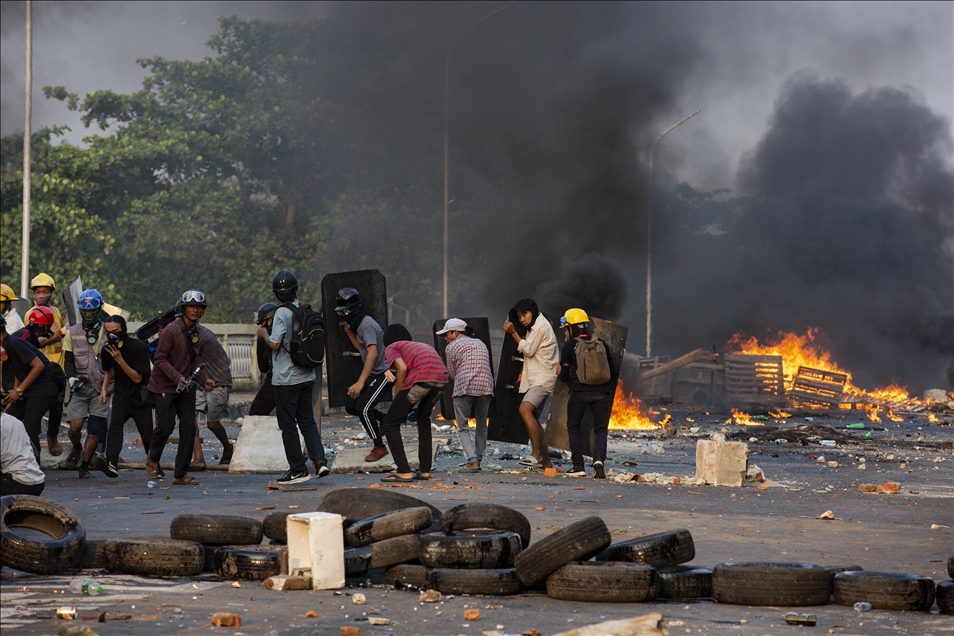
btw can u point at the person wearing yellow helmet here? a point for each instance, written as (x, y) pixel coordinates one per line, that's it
(589, 367)
(43, 287)
(7, 310)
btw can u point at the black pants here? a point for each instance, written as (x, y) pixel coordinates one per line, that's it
(10, 486)
(264, 402)
(30, 411)
(601, 403)
(124, 410)
(168, 407)
(293, 409)
(397, 415)
(55, 417)
(376, 389)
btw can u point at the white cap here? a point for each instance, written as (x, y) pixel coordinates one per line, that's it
(454, 324)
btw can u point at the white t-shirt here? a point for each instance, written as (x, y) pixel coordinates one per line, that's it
(16, 453)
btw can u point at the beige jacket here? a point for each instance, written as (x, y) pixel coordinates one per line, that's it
(541, 357)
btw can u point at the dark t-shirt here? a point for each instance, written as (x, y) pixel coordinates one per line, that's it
(19, 354)
(136, 355)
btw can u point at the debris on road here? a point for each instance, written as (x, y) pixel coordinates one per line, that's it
(651, 624)
(887, 488)
(226, 619)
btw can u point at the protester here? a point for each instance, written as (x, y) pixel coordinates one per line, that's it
(33, 391)
(264, 401)
(8, 311)
(125, 363)
(40, 323)
(419, 378)
(371, 387)
(82, 347)
(541, 359)
(468, 363)
(20, 472)
(43, 287)
(293, 388)
(173, 385)
(589, 367)
(214, 404)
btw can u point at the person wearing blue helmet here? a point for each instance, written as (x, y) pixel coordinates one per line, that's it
(82, 348)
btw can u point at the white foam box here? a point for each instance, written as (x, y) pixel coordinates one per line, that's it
(316, 544)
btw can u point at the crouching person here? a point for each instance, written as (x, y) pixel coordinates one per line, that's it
(20, 473)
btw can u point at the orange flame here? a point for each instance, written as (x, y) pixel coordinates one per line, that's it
(742, 419)
(872, 412)
(628, 412)
(779, 414)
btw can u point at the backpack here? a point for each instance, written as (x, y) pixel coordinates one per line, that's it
(307, 347)
(592, 363)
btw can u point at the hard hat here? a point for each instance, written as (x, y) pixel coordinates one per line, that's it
(574, 316)
(6, 293)
(265, 311)
(43, 280)
(41, 316)
(193, 297)
(285, 285)
(348, 299)
(89, 300)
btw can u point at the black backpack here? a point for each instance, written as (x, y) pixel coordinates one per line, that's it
(307, 348)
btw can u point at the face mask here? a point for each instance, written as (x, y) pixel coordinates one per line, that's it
(114, 339)
(90, 322)
(42, 299)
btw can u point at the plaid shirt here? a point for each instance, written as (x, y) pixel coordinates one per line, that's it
(469, 364)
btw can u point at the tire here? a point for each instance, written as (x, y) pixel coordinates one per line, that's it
(248, 563)
(406, 575)
(484, 516)
(60, 552)
(945, 597)
(208, 557)
(603, 582)
(683, 582)
(361, 503)
(662, 550)
(500, 582)
(274, 526)
(950, 566)
(92, 557)
(762, 584)
(575, 542)
(217, 529)
(885, 590)
(154, 557)
(844, 568)
(388, 525)
(358, 560)
(471, 551)
(393, 551)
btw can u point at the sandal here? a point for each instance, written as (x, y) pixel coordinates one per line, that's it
(419, 477)
(465, 469)
(185, 480)
(197, 468)
(530, 462)
(155, 473)
(397, 479)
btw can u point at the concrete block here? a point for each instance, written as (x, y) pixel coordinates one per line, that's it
(287, 583)
(259, 447)
(316, 549)
(721, 463)
(351, 460)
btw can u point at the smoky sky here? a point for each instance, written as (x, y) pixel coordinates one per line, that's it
(830, 121)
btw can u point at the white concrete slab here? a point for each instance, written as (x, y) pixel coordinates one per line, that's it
(351, 460)
(259, 447)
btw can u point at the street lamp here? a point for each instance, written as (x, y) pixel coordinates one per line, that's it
(447, 142)
(649, 240)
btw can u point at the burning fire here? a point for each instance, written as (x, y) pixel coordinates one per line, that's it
(742, 419)
(779, 414)
(628, 412)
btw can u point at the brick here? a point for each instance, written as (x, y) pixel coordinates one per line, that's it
(721, 463)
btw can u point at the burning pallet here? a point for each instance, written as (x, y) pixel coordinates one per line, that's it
(814, 388)
(754, 380)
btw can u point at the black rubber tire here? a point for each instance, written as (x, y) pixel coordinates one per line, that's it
(388, 525)
(844, 568)
(500, 582)
(361, 503)
(469, 550)
(154, 557)
(662, 550)
(217, 529)
(575, 542)
(885, 590)
(41, 556)
(603, 582)
(358, 560)
(248, 563)
(486, 516)
(683, 582)
(274, 526)
(208, 557)
(393, 551)
(92, 557)
(775, 584)
(950, 566)
(945, 597)
(405, 575)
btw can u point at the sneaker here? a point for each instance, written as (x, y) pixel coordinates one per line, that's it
(576, 471)
(294, 477)
(84, 473)
(72, 461)
(376, 453)
(100, 463)
(598, 470)
(322, 471)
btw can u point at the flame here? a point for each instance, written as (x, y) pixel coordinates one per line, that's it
(742, 419)
(472, 423)
(932, 418)
(628, 412)
(872, 413)
(893, 417)
(779, 414)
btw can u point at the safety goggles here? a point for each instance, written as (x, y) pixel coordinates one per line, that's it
(193, 297)
(563, 322)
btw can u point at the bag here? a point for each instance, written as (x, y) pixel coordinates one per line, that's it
(307, 346)
(592, 363)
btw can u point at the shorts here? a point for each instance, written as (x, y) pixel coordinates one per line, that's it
(86, 402)
(215, 405)
(540, 398)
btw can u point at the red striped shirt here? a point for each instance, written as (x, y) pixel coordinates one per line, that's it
(423, 362)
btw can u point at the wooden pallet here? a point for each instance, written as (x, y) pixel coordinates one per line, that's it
(754, 380)
(815, 387)
(658, 389)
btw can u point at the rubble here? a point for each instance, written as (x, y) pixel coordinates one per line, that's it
(226, 619)
(721, 463)
(651, 624)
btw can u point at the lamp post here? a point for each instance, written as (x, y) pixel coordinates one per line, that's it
(649, 239)
(447, 141)
(25, 254)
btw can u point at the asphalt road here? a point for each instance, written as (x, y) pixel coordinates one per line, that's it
(775, 523)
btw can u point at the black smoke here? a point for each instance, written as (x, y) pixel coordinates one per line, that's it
(593, 282)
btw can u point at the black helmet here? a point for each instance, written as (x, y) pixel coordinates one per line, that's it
(265, 311)
(177, 308)
(347, 301)
(285, 285)
(193, 297)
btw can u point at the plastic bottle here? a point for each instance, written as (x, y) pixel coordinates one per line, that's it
(89, 588)
(862, 606)
(151, 484)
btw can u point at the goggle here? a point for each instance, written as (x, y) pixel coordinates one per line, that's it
(193, 296)
(89, 304)
(563, 322)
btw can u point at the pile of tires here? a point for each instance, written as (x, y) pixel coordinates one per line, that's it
(944, 594)
(231, 546)
(21, 516)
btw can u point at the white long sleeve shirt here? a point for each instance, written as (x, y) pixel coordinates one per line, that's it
(541, 357)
